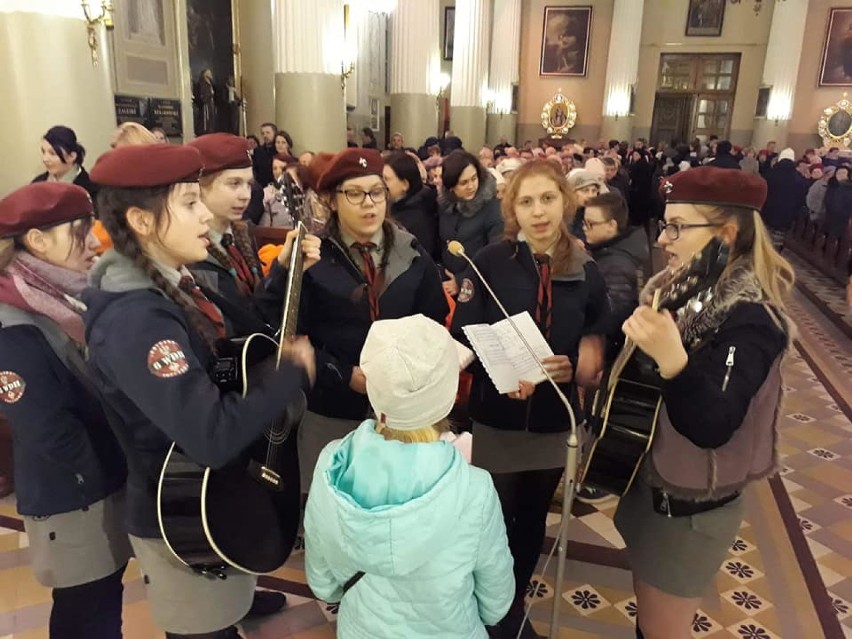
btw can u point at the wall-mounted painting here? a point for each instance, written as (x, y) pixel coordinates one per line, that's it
(565, 41)
(449, 31)
(762, 102)
(836, 70)
(705, 17)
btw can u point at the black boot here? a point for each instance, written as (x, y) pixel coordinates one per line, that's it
(265, 603)
(639, 634)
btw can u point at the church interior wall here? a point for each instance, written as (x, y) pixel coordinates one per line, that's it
(811, 99)
(586, 92)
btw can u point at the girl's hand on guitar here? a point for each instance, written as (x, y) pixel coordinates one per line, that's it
(301, 353)
(358, 382)
(310, 250)
(559, 367)
(656, 333)
(525, 390)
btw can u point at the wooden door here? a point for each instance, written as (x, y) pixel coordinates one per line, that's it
(672, 118)
(712, 116)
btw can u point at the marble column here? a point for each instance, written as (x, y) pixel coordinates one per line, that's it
(504, 69)
(49, 79)
(415, 60)
(470, 71)
(622, 69)
(307, 42)
(781, 70)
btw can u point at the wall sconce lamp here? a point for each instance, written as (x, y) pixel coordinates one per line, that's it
(91, 25)
(346, 73)
(442, 83)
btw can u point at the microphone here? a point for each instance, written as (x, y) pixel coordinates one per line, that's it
(456, 248)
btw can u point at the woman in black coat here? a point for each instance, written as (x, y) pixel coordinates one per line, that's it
(639, 194)
(468, 211)
(63, 157)
(413, 205)
(838, 203)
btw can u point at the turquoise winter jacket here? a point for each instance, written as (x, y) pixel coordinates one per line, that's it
(424, 526)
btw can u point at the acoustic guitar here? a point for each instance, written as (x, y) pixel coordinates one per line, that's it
(244, 516)
(626, 407)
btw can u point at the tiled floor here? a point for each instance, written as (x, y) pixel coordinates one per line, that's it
(788, 575)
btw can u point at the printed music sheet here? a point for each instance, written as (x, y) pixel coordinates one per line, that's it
(503, 354)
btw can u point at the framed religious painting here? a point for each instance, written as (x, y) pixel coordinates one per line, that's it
(705, 17)
(565, 41)
(836, 68)
(449, 31)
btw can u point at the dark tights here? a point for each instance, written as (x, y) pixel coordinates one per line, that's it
(525, 498)
(88, 610)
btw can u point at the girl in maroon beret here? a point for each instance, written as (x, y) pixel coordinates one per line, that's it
(721, 386)
(231, 274)
(69, 469)
(152, 349)
(371, 269)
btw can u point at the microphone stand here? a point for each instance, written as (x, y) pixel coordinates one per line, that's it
(571, 458)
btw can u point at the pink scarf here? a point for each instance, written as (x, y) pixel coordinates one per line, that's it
(33, 285)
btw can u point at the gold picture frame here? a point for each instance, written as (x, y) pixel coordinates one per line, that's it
(835, 124)
(558, 115)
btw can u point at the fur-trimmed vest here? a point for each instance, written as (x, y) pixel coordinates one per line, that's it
(687, 471)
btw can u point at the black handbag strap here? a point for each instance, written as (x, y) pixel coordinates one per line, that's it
(354, 579)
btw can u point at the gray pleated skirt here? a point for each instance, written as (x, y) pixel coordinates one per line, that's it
(315, 433)
(183, 601)
(678, 555)
(80, 546)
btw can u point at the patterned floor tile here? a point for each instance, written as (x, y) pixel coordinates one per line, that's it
(586, 600)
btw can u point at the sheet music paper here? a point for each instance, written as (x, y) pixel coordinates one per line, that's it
(503, 354)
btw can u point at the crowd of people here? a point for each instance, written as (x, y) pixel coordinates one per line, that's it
(427, 490)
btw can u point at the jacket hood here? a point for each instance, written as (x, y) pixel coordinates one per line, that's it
(396, 503)
(112, 276)
(633, 243)
(116, 273)
(447, 201)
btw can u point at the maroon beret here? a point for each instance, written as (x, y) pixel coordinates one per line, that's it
(286, 158)
(41, 205)
(348, 164)
(712, 185)
(222, 151)
(147, 166)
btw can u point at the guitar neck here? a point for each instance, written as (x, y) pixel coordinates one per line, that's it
(290, 316)
(629, 348)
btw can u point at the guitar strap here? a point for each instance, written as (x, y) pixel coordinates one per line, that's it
(354, 579)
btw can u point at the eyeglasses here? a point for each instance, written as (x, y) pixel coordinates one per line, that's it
(673, 230)
(591, 225)
(357, 196)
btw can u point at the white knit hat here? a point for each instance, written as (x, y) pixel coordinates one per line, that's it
(412, 370)
(787, 154)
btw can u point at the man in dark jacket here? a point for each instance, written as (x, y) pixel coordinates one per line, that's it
(622, 255)
(262, 155)
(786, 197)
(724, 158)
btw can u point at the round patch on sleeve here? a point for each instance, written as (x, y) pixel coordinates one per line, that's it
(12, 387)
(166, 359)
(465, 291)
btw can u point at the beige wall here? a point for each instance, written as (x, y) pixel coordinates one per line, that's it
(42, 88)
(586, 92)
(810, 98)
(663, 29)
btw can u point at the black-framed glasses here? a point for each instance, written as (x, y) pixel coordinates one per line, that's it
(357, 196)
(673, 229)
(591, 225)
